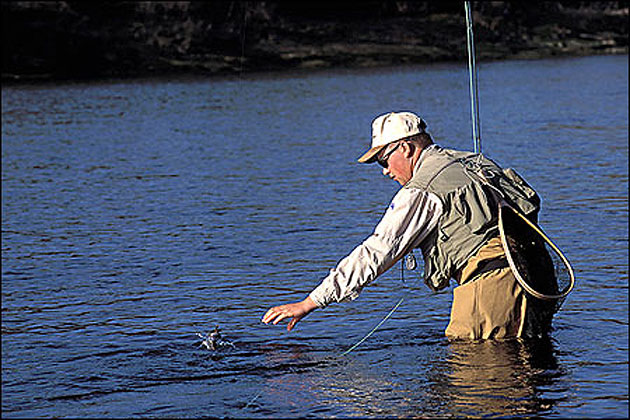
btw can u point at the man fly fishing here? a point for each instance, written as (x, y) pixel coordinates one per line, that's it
(449, 207)
(474, 222)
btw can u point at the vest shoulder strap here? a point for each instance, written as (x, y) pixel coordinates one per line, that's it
(434, 163)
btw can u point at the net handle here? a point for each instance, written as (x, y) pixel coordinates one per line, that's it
(508, 255)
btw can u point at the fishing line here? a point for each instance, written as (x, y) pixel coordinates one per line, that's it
(254, 399)
(409, 262)
(372, 331)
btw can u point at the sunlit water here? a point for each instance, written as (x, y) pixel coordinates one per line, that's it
(136, 214)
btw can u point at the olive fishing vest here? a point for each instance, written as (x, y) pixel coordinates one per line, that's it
(469, 186)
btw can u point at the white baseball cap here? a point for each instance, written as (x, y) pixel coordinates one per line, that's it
(392, 127)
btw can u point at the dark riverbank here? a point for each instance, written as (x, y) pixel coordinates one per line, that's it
(92, 40)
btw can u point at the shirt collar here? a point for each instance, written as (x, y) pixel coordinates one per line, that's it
(422, 157)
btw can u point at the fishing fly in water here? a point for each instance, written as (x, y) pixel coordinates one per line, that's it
(213, 340)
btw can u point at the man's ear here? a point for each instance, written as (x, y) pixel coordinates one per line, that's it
(408, 149)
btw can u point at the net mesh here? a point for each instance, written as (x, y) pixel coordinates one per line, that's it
(539, 264)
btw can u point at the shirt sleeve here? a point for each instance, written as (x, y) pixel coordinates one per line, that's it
(410, 217)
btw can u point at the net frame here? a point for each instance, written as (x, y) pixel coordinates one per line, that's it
(511, 259)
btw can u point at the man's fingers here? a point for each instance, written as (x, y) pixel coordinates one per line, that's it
(291, 324)
(296, 311)
(276, 315)
(271, 314)
(280, 317)
(268, 315)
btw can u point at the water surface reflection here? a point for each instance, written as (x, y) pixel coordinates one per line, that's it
(448, 378)
(484, 378)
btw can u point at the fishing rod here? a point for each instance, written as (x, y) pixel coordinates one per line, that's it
(476, 132)
(472, 77)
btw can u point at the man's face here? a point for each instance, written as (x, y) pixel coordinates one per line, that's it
(396, 162)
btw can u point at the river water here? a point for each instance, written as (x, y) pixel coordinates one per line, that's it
(136, 214)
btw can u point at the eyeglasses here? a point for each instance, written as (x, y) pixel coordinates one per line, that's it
(382, 160)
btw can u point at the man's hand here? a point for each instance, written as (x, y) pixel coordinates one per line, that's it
(296, 311)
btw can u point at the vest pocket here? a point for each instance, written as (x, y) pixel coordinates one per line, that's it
(519, 192)
(475, 207)
(433, 276)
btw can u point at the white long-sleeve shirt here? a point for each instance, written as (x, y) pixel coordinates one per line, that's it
(410, 217)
